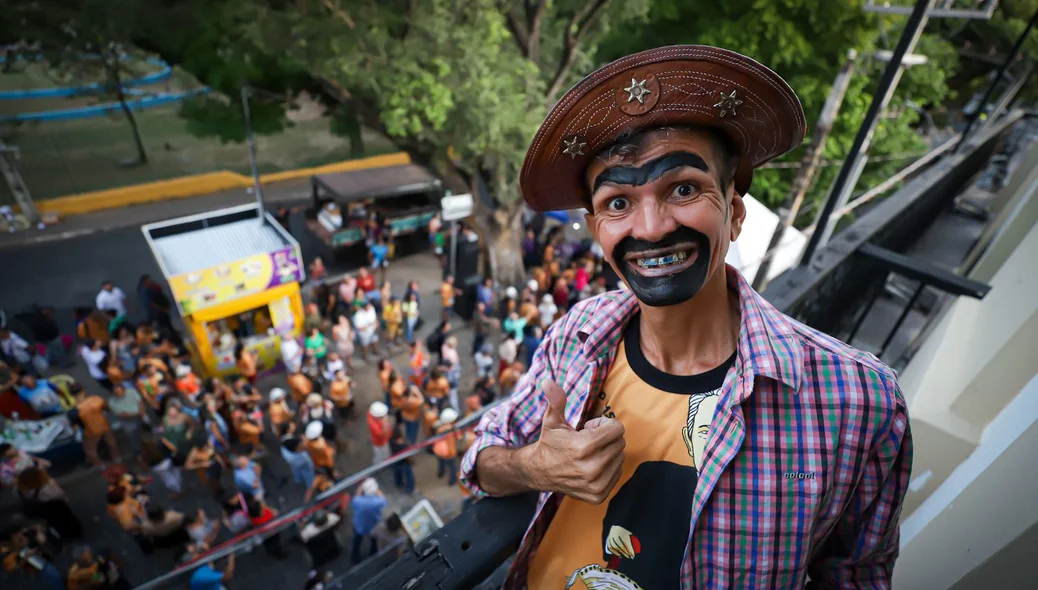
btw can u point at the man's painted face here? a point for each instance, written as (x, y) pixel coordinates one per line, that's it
(662, 216)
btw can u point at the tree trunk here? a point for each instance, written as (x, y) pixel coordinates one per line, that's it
(505, 250)
(117, 86)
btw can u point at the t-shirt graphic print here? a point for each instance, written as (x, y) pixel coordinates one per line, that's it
(636, 538)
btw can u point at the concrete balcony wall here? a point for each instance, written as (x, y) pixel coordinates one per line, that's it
(972, 392)
(983, 511)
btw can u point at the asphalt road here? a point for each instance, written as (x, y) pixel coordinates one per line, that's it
(68, 273)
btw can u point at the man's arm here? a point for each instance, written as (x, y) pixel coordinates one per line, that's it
(511, 424)
(584, 464)
(861, 550)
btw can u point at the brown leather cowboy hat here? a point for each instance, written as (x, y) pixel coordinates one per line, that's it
(679, 85)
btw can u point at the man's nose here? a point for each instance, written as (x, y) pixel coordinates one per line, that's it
(653, 221)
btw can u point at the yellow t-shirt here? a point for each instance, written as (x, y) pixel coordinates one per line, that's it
(636, 538)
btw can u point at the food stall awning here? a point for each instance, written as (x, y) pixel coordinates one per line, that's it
(375, 183)
(215, 257)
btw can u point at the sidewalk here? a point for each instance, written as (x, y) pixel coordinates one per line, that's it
(281, 193)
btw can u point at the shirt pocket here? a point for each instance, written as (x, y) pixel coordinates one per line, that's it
(771, 536)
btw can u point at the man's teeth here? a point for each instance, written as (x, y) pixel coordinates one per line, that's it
(661, 261)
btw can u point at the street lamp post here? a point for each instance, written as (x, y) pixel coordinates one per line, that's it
(855, 161)
(257, 187)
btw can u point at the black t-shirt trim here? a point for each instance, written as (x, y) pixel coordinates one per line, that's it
(680, 384)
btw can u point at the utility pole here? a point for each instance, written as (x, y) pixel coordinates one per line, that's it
(808, 166)
(9, 168)
(252, 150)
(852, 167)
(982, 107)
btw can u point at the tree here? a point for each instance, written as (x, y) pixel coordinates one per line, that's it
(83, 41)
(806, 42)
(461, 85)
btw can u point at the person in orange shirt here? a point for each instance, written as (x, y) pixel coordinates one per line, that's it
(472, 403)
(278, 410)
(321, 453)
(410, 413)
(419, 363)
(385, 369)
(187, 382)
(245, 361)
(341, 394)
(397, 390)
(91, 410)
(393, 315)
(430, 415)
(438, 387)
(247, 430)
(125, 509)
(300, 386)
(447, 293)
(509, 377)
(115, 372)
(446, 449)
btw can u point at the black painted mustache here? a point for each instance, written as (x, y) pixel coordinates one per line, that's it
(682, 235)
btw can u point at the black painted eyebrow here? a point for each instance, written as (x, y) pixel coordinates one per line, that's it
(649, 171)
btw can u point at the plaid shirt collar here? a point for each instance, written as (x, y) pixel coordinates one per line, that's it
(768, 343)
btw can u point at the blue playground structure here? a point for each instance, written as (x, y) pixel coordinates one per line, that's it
(143, 99)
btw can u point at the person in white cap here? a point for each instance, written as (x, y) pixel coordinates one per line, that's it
(320, 409)
(547, 309)
(322, 453)
(380, 431)
(278, 409)
(446, 448)
(367, 506)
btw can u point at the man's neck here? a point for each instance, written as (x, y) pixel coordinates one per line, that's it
(695, 336)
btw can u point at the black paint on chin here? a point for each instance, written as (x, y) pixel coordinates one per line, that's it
(670, 289)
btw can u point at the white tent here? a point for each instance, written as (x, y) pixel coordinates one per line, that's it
(747, 252)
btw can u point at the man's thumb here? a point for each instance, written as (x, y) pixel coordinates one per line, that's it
(555, 413)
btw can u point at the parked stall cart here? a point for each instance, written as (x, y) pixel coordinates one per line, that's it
(235, 275)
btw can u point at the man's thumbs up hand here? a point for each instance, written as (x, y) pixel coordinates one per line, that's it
(583, 464)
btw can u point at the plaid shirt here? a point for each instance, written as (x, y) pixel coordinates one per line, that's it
(806, 464)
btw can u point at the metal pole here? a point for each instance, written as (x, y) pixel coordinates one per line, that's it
(252, 149)
(808, 165)
(454, 249)
(13, 177)
(998, 78)
(880, 100)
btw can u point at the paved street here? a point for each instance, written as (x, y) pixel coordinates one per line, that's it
(69, 272)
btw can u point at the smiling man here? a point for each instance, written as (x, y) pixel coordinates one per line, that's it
(684, 433)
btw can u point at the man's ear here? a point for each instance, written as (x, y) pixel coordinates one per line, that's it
(589, 220)
(737, 211)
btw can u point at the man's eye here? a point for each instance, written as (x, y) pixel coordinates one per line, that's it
(617, 204)
(685, 190)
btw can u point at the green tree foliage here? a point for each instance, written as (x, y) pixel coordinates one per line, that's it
(806, 42)
(83, 42)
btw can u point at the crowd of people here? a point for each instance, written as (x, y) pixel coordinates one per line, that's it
(171, 420)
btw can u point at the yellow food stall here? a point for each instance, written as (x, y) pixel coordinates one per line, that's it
(234, 274)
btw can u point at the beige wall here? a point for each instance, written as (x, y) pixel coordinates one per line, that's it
(972, 392)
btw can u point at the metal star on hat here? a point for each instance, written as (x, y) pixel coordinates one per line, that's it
(574, 147)
(637, 91)
(728, 104)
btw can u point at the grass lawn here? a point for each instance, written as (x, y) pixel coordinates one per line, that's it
(67, 157)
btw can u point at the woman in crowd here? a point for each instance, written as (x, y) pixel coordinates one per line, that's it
(342, 334)
(42, 497)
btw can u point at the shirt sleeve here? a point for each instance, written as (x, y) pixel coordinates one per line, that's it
(515, 422)
(861, 550)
